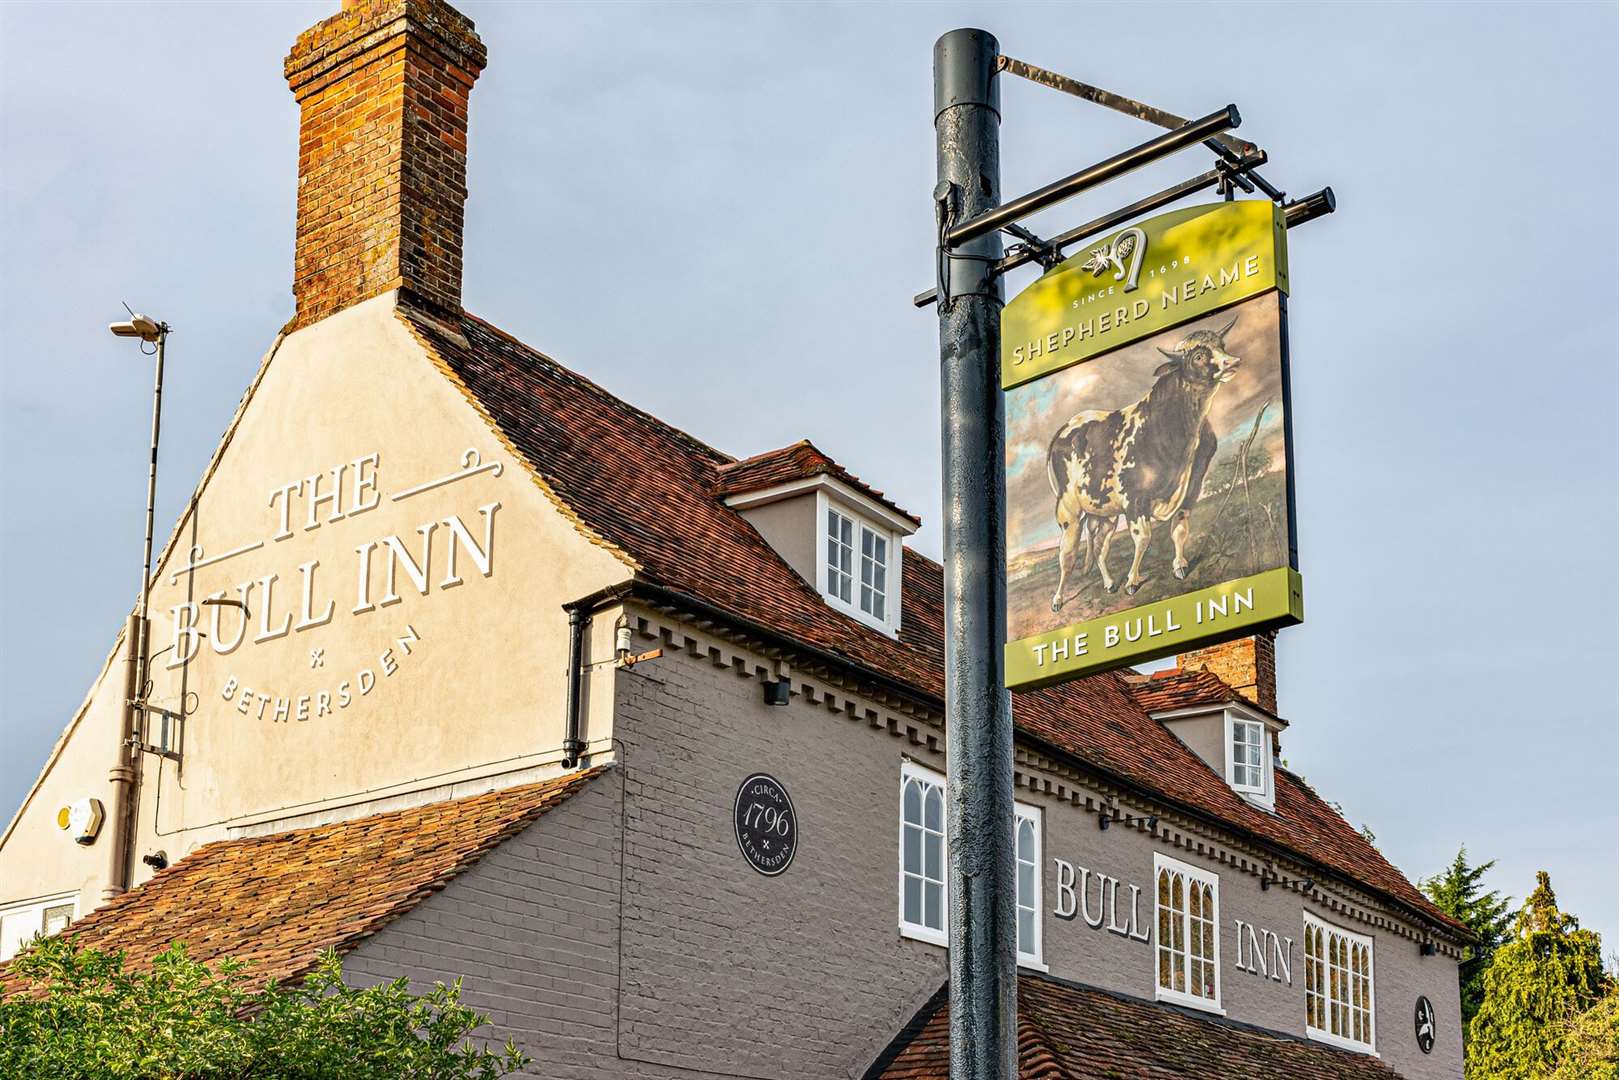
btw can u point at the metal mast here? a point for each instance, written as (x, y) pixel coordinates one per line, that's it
(978, 709)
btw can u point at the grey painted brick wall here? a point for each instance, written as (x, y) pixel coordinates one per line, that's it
(720, 971)
(1074, 950)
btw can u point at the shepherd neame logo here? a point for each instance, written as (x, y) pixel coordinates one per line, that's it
(383, 570)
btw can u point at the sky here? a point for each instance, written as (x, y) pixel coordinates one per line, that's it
(721, 211)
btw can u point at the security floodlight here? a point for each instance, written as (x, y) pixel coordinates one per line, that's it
(141, 326)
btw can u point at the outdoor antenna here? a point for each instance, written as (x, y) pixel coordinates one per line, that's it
(126, 769)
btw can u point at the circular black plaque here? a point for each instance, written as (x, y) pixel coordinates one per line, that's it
(766, 826)
(1425, 1025)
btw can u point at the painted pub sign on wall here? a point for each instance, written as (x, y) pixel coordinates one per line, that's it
(1149, 475)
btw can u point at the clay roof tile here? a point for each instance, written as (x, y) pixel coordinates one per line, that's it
(1069, 1031)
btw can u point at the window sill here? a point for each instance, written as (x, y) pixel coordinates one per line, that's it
(1317, 1035)
(924, 934)
(882, 626)
(1030, 964)
(1257, 800)
(1174, 997)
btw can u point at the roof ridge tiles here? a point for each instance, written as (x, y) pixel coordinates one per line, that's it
(569, 373)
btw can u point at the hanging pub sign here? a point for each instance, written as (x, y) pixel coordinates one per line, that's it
(1149, 478)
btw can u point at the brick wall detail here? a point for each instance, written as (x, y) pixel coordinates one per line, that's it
(1247, 665)
(382, 88)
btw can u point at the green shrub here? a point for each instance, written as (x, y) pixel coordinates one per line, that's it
(80, 1014)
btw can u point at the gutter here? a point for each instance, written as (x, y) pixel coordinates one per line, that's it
(614, 594)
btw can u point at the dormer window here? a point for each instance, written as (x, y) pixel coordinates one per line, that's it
(857, 565)
(842, 537)
(1248, 758)
(856, 569)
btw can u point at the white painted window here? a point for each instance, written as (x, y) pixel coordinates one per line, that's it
(1027, 840)
(1247, 755)
(922, 858)
(1338, 985)
(874, 574)
(839, 555)
(858, 565)
(1248, 758)
(22, 923)
(1188, 950)
(924, 853)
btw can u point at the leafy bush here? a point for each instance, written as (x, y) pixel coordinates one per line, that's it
(80, 1014)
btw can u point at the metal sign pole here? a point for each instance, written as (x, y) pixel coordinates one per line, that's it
(978, 709)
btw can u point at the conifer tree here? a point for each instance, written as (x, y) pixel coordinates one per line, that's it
(1535, 991)
(1459, 892)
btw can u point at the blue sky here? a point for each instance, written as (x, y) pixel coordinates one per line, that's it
(720, 213)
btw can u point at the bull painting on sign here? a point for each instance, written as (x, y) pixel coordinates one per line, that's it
(1155, 470)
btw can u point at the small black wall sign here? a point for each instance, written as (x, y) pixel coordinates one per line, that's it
(766, 826)
(1425, 1025)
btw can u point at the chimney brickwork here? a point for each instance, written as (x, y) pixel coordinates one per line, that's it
(382, 89)
(1247, 665)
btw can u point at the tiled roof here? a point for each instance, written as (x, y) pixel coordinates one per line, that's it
(279, 901)
(647, 491)
(799, 461)
(1181, 688)
(1069, 1031)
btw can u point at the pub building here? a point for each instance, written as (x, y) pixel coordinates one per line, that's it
(464, 667)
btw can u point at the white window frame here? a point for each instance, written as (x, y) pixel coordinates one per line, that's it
(1265, 793)
(1326, 1035)
(892, 566)
(37, 908)
(1022, 812)
(1161, 863)
(910, 770)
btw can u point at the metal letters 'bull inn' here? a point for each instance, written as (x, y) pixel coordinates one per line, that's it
(498, 677)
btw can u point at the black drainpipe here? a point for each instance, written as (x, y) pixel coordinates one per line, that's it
(572, 744)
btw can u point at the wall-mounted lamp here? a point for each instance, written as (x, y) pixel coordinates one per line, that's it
(1103, 820)
(157, 860)
(1428, 948)
(1307, 885)
(777, 691)
(1152, 823)
(1264, 884)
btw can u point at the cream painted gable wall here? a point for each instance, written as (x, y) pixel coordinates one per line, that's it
(356, 692)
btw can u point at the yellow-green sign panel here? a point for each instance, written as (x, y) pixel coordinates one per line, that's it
(1156, 274)
(1149, 488)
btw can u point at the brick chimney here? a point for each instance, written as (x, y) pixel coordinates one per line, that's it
(1247, 665)
(382, 90)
